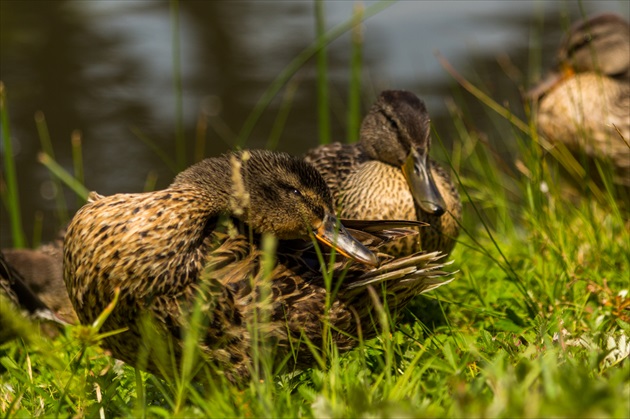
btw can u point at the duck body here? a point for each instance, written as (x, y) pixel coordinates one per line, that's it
(584, 101)
(370, 180)
(200, 240)
(16, 296)
(41, 271)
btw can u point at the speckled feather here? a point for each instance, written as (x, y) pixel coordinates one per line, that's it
(41, 270)
(15, 291)
(165, 249)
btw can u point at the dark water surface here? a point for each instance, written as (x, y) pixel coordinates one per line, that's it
(105, 68)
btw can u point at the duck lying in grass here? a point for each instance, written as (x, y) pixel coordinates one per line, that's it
(17, 296)
(41, 271)
(584, 102)
(200, 240)
(388, 174)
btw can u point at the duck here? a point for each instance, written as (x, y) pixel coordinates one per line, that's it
(584, 101)
(389, 174)
(19, 302)
(202, 240)
(41, 270)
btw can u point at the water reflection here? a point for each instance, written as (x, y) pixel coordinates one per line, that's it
(105, 68)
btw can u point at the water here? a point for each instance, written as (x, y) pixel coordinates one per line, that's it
(105, 68)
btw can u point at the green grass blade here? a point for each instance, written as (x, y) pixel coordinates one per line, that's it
(180, 140)
(77, 156)
(356, 65)
(61, 207)
(10, 173)
(323, 108)
(295, 65)
(63, 175)
(163, 155)
(283, 115)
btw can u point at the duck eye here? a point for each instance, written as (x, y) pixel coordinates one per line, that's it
(296, 192)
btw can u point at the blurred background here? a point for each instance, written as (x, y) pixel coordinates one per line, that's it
(105, 69)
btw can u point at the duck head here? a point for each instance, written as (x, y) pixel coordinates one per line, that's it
(275, 193)
(600, 44)
(397, 131)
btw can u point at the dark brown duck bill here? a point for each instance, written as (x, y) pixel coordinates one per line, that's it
(421, 183)
(333, 234)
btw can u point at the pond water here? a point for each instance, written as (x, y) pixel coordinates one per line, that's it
(105, 68)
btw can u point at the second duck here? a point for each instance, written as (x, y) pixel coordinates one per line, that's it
(389, 175)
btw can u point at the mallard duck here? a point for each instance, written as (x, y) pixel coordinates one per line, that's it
(41, 270)
(200, 238)
(584, 102)
(17, 297)
(389, 175)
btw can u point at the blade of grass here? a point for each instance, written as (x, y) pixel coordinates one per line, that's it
(200, 136)
(172, 165)
(180, 141)
(63, 175)
(559, 152)
(323, 115)
(77, 157)
(15, 216)
(283, 114)
(356, 63)
(38, 224)
(296, 64)
(61, 207)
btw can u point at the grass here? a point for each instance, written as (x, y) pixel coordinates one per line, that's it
(536, 323)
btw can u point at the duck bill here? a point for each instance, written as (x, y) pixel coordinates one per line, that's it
(333, 234)
(550, 81)
(421, 183)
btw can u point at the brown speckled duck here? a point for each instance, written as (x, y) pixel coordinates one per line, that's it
(16, 296)
(201, 239)
(41, 270)
(585, 101)
(389, 175)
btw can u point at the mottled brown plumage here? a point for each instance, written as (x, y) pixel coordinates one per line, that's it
(200, 240)
(41, 270)
(17, 296)
(389, 175)
(584, 102)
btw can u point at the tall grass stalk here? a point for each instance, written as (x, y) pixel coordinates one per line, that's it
(283, 114)
(77, 156)
(201, 132)
(356, 66)
(180, 140)
(295, 65)
(61, 206)
(161, 153)
(62, 174)
(323, 109)
(10, 173)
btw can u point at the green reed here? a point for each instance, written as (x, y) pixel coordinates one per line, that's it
(44, 140)
(12, 196)
(356, 66)
(296, 64)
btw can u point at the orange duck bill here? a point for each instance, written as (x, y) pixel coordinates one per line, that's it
(333, 234)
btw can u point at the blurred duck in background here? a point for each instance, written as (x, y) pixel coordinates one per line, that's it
(584, 101)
